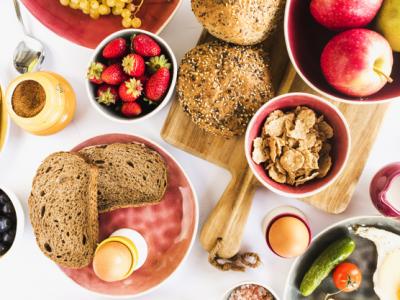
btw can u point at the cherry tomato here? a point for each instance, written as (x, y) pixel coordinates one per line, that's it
(347, 277)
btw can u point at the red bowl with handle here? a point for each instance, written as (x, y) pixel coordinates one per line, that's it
(305, 40)
(340, 144)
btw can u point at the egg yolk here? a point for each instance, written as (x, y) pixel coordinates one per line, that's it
(288, 237)
(112, 261)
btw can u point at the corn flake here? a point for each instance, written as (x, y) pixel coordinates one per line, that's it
(295, 146)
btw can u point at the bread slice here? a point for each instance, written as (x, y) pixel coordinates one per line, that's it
(131, 175)
(63, 209)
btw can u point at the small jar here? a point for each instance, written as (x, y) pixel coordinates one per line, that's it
(118, 256)
(46, 118)
(4, 120)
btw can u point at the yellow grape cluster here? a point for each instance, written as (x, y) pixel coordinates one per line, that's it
(96, 8)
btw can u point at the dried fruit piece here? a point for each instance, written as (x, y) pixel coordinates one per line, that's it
(292, 160)
(325, 164)
(302, 180)
(325, 129)
(259, 154)
(310, 160)
(306, 116)
(275, 175)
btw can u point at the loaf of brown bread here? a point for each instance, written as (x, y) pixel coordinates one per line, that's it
(63, 209)
(241, 22)
(130, 175)
(221, 86)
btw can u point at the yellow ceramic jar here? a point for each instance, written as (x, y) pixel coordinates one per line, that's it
(3, 120)
(59, 105)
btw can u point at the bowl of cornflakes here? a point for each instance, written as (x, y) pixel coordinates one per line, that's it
(297, 144)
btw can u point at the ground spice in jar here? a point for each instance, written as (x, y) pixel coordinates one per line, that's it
(28, 99)
(250, 292)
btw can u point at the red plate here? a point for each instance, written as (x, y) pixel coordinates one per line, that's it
(169, 228)
(81, 29)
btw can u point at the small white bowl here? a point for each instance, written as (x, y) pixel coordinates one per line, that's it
(90, 90)
(20, 222)
(228, 292)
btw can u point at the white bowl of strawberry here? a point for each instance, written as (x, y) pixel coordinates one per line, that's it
(131, 75)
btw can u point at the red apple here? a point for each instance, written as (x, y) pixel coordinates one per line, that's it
(344, 14)
(357, 62)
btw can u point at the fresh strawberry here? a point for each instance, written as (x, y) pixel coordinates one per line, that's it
(107, 94)
(144, 45)
(113, 74)
(94, 72)
(133, 65)
(131, 109)
(157, 85)
(130, 90)
(115, 48)
(158, 62)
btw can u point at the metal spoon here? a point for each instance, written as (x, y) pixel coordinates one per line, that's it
(29, 54)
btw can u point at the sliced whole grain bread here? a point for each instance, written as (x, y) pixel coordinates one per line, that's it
(130, 175)
(63, 209)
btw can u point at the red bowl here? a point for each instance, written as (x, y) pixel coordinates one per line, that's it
(305, 40)
(169, 229)
(340, 146)
(81, 29)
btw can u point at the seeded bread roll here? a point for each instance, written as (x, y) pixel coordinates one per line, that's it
(221, 86)
(130, 175)
(63, 209)
(241, 22)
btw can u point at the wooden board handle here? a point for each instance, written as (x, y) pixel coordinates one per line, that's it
(228, 218)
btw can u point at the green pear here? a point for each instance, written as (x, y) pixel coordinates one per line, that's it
(388, 22)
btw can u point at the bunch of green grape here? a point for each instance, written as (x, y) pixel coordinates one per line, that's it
(127, 9)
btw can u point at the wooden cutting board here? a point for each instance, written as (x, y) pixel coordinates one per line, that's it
(226, 222)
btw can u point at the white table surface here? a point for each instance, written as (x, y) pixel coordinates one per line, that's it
(29, 275)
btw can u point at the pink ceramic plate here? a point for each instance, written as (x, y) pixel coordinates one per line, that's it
(82, 30)
(169, 229)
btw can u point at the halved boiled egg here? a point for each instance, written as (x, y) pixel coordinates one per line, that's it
(112, 261)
